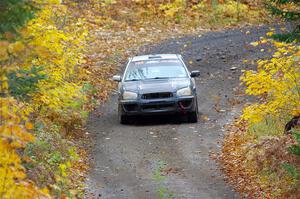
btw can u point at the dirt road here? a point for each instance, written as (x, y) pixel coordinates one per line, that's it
(157, 158)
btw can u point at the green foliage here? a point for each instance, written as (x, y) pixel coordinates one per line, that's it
(276, 7)
(296, 135)
(292, 171)
(164, 193)
(55, 158)
(268, 127)
(288, 10)
(24, 82)
(288, 37)
(157, 172)
(14, 14)
(50, 159)
(295, 149)
(87, 87)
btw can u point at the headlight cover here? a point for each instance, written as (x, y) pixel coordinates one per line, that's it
(127, 95)
(184, 92)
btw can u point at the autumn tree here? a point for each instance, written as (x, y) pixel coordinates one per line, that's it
(276, 84)
(14, 125)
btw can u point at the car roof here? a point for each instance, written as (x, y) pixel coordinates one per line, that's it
(155, 56)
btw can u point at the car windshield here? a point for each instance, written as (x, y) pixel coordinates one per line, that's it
(155, 69)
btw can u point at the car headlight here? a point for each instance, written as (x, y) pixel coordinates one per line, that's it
(129, 95)
(184, 92)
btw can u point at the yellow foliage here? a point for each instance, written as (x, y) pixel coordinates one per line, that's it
(13, 135)
(276, 84)
(16, 48)
(56, 43)
(3, 50)
(270, 34)
(172, 9)
(232, 9)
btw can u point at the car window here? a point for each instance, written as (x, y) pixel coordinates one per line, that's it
(155, 69)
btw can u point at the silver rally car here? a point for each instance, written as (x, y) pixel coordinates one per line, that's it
(157, 84)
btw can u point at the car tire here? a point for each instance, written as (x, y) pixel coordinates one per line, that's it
(193, 117)
(124, 119)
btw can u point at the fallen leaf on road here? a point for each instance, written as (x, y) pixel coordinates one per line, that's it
(254, 43)
(234, 101)
(169, 170)
(204, 118)
(217, 105)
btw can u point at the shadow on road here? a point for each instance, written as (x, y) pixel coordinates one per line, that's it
(160, 120)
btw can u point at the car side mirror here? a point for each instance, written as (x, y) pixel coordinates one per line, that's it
(195, 73)
(117, 78)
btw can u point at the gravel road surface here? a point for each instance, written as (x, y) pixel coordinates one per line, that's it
(159, 158)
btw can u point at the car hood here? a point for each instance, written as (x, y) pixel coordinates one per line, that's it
(156, 85)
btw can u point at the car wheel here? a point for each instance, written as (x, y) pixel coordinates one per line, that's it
(193, 117)
(124, 119)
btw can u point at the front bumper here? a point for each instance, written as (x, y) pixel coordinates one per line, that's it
(158, 106)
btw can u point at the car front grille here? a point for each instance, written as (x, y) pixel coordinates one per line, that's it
(166, 106)
(157, 95)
